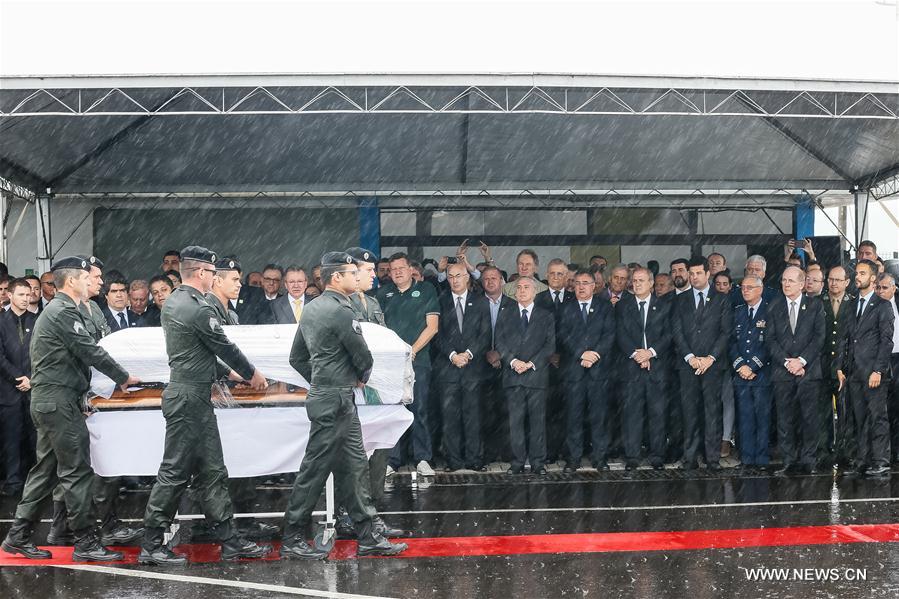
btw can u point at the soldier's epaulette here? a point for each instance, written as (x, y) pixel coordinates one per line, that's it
(199, 299)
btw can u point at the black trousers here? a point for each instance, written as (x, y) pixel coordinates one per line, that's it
(587, 399)
(495, 419)
(527, 407)
(893, 404)
(872, 425)
(798, 420)
(555, 415)
(461, 408)
(674, 417)
(645, 406)
(17, 442)
(701, 408)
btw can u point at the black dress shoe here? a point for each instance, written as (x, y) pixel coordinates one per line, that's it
(880, 471)
(788, 470)
(478, 467)
(26, 548)
(120, 534)
(541, 471)
(386, 530)
(378, 545)
(238, 547)
(631, 465)
(602, 466)
(689, 465)
(89, 549)
(713, 466)
(569, 468)
(515, 470)
(657, 464)
(300, 549)
(160, 556)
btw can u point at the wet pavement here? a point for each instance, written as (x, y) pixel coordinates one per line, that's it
(613, 534)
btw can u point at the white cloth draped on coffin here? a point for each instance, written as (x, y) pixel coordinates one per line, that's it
(141, 351)
(255, 441)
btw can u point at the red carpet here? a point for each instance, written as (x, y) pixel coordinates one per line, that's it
(561, 543)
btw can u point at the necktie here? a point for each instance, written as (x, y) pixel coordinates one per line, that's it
(122, 323)
(297, 309)
(556, 300)
(643, 321)
(459, 312)
(584, 311)
(524, 319)
(792, 317)
(861, 307)
(21, 330)
(700, 306)
(751, 313)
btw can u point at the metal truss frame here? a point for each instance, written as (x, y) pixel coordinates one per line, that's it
(402, 99)
(461, 200)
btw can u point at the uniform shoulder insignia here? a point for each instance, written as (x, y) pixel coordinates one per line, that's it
(214, 323)
(357, 327)
(79, 328)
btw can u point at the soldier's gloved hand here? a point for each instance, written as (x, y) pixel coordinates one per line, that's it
(258, 381)
(132, 381)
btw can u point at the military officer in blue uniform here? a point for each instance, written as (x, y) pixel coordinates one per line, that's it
(752, 383)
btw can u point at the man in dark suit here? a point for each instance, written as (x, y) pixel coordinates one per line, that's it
(554, 299)
(525, 339)
(460, 367)
(886, 289)
(495, 415)
(585, 336)
(288, 308)
(836, 314)
(117, 313)
(160, 289)
(701, 325)
(17, 433)
(795, 340)
(751, 370)
(643, 334)
(864, 365)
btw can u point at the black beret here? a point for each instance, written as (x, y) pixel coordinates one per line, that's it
(336, 259)
(228, 264)
(363, 255)
(199, 254)
(78, 262)
(92, 261)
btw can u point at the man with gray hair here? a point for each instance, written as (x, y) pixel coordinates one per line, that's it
(525, 338)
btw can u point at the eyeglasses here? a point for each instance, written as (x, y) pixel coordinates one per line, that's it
(829, 280)
(883, 287)
(272, 279)
(456, 277)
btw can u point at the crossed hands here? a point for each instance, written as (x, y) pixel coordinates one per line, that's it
(589, 358)
(521, 367)
(795, 367)
(460, 360)
(746, 373)
(701, 365)
(643, 357)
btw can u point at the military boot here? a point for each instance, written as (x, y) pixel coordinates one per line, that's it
(59, 529)
(117, 532)
(296, 547)
(372, 543)
(89, 549)
(18, 541)
(153, 552)
(238, 547)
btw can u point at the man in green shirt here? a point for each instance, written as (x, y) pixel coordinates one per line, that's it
(199, 354)
(330, 352)
(411, 310)
(62, 354)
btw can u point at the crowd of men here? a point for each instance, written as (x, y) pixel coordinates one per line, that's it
(599, 361)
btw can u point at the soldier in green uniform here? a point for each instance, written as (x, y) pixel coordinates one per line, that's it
(225, 288)
(199, 354)
(330, 352)
(105, 488)
(62, 353)
(367, 309)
